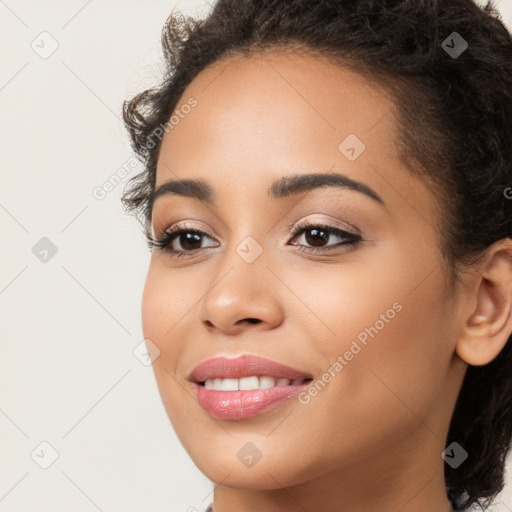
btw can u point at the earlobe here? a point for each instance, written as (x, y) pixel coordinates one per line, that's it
(489, 325)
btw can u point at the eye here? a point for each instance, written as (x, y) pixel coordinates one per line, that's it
(190, 239)
(186, 236)
(320, 234)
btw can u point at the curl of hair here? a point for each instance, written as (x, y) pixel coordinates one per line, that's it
(455, 130)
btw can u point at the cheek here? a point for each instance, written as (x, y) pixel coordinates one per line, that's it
(163, 305)
(153, 309)
(396, 347)
(393, 337)
(161, 313)
(165, 300)
(390, 380)
(148, 306)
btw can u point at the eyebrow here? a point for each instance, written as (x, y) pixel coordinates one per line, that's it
(281, 188)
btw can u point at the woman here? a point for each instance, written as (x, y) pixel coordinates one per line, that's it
(327, 192)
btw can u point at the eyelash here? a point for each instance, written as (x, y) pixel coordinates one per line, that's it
(168, 236)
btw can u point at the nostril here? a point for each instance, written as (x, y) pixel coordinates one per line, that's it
(253, 320)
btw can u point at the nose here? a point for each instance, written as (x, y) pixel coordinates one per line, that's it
(243, 300)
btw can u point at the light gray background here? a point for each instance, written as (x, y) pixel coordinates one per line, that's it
(69, 326)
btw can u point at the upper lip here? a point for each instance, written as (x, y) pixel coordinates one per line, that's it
(244, 366)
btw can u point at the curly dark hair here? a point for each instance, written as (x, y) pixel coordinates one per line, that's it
(454, 114)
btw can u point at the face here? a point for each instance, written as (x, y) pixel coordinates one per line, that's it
(356, 296)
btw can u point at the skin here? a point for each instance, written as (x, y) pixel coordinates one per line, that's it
(372, 438)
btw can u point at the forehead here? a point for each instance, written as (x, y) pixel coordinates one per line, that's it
(276, 105)
(257, 118)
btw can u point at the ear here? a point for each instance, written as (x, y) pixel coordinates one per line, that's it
(489, 324)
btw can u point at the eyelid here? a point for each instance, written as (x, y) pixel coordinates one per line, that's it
(182, 224)
(345, 226)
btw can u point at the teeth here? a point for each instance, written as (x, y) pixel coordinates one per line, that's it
(247, 383)
(228, 384)
(267, 382)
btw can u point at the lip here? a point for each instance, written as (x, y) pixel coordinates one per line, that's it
(244, 366)
(237, 405)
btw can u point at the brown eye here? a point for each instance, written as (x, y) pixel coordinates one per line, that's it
(317, 235)
(188, 238)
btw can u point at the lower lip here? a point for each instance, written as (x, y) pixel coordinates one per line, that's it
(237, 405)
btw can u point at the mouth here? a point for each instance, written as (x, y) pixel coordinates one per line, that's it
(250, 382)
(235, 389)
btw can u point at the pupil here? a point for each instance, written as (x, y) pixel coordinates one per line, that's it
(316, 241)
(189, 239)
